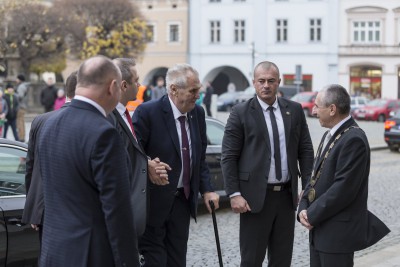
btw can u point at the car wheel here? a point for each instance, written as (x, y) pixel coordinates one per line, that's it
(394, 148)
(381, 118)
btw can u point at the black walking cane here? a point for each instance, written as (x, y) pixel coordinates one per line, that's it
(216, 233)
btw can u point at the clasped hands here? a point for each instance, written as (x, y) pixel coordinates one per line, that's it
(304, 220)
(157, 171)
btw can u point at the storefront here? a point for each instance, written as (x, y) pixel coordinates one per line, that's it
(366, 81)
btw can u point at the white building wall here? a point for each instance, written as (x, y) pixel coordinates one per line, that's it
(318, 59)
(385, 55)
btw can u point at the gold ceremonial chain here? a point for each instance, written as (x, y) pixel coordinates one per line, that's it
(314, 178)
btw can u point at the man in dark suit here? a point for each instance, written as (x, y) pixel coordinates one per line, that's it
(334, 204)
(86, 171)
(265, 143)
(173, 129)
(121, 119)
(34, 204)
(207, 98)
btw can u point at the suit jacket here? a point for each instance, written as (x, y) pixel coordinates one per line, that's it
(155, 127)
(342, 223)
(34, 204)
(85, 173)
(246, 150)
(138, 160)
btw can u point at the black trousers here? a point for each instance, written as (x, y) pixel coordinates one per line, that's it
(13, 124)
(272, 228)
(321, 259)
(166, 246)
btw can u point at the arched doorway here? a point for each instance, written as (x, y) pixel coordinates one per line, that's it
(225, 76)
(151, 77)
(366, 81)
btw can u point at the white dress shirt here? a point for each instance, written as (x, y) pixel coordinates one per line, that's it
(282, 142)
(178, 114)
(121, 110)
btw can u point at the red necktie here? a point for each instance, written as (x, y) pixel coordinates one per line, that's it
(128, 117)
(185, 157)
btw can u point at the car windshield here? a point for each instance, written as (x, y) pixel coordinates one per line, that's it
(377, 103)
(227, 96)
(302, 97)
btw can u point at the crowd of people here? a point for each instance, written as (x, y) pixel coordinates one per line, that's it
(105, 188)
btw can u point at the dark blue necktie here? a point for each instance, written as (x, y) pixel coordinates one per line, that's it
(277, 149)
(185, 157)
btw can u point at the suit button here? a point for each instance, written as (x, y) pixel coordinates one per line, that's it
(143, 190)
(143, 170)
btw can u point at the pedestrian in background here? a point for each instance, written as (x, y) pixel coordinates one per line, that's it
(88, 219)
(60, 100)
(48, 95)
(207, 98)
(22, 92)
(265, 150)
(158, 90)
(34, 204)
(3, 112)
(334, 204)
(173, 129)
(13, 106)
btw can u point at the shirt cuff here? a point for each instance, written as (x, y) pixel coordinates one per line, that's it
(235, 194)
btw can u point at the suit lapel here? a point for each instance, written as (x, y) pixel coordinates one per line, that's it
(346, 125)
(127, 131)
(169, 120)
(259, 117)
(287, 119)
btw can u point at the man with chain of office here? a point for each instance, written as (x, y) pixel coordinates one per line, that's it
(334, 204)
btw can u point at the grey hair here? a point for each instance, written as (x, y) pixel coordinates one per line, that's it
(337, 95)
(178, 75)
(125, 65)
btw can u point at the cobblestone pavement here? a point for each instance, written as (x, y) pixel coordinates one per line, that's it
(384, 199)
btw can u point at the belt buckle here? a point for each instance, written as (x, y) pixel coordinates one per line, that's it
(277, 188)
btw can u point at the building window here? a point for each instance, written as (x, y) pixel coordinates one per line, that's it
(239, 0)
(240, 30)
(150, 33)
(281, 30)
(215, 31)
(366, 32)
(174, 33)
(215, 1)
(315, 30)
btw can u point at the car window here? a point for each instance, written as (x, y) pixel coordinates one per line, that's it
(361, 101)
(353, 102)
(215, 133)
(12, 171)
(392, 105)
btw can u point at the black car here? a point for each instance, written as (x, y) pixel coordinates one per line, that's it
(19, 243)
(215, 133)
(392, 131)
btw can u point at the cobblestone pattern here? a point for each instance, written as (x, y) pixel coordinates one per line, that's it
(384, 199)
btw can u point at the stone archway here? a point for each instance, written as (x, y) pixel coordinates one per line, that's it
(226, 76)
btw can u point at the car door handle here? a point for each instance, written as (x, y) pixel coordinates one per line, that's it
(15, 221)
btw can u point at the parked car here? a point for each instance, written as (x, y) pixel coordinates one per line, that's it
(215, 133)
(392, 131)
(357, 102)
(226, 101)
(288, 92)
(377, 110)
(246, 94)
(19, 243)
(306, 99)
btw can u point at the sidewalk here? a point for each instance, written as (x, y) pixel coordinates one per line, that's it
(387, 257)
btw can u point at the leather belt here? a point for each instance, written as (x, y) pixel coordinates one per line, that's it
(279, 187)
